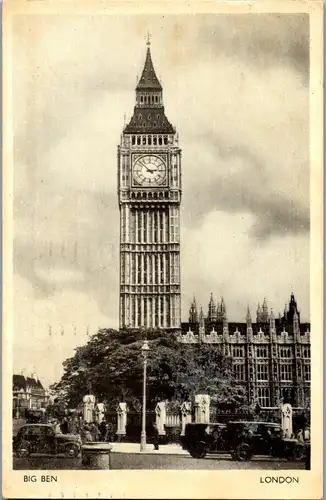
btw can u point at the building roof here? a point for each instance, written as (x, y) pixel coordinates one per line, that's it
(21, 382)
(148, 79)
(149, 121)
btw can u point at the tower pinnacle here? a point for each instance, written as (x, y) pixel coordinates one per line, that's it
(148, 42)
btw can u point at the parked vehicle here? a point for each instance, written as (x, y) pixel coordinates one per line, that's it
(200, 439)
(242, 440)
(42, 438)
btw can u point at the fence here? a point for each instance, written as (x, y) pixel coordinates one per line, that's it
(170, 422)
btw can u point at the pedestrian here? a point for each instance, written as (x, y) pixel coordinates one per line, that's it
(307, 434)
(57, 427)
(86, 435)
(64, 426)
(95, 432)
(300, 436)
(102, 429)
(155, 437)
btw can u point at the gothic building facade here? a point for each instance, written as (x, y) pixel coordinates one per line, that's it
(271, 356)
(149, 190)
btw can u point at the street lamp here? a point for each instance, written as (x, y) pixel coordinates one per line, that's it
(144, 351)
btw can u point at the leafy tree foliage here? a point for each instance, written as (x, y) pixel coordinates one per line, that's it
(110, 366)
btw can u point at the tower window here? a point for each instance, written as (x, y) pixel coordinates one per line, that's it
(263, 397)
(141, 98)
(160, 141)
(144, 140)
(285, 352)
(138, 140)
(145, 228)
(140, 117)
(149, 140)
(307, 372)
(133, 140)
(262, 372)
(165, 140)
(306, 352)
(162, 311)
(239, 372)
(154, 138)
(286, 372)
(261, 352)
(156, 98)
(154, 124)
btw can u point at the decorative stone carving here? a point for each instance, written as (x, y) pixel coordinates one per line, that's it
(160, 411)
(286, 420)
(122, 419)
(202, 403)
(99, 412)
(185, 416)
(89, 403)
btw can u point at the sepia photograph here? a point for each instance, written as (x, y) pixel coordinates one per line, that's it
(161, 256)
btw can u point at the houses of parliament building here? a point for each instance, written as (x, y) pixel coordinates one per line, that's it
(271, 355)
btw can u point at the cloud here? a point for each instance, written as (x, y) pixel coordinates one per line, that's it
(236, 89)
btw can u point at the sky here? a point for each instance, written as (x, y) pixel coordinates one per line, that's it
(236, 87)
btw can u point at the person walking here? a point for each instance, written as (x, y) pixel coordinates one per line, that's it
(64, 426)
(86, 435)
(95, 432)
(102, 429)
(155, 437)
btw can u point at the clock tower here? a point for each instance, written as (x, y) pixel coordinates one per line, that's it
(149, 190)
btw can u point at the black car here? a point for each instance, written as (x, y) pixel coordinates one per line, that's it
(42, 438)
(200, 439)
(241, 439)
(246, 439)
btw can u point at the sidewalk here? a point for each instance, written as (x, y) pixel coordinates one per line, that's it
(134, 448)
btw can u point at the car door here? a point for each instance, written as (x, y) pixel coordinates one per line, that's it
(38, 438)
(49, 441)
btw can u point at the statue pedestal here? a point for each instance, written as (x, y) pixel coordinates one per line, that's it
(160, 411)
(89, 404)
(286, 420)
(96, 456)
(202, 403)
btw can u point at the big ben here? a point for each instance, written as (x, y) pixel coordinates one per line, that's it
(149, 190)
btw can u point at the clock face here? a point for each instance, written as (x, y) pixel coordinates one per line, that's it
(149, 171)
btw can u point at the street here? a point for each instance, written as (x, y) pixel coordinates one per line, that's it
(160, 461)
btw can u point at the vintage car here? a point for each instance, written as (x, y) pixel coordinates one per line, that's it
(42, 438)
(242, 440)
(200, 439)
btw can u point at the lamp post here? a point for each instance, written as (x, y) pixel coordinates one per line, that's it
(144, 351)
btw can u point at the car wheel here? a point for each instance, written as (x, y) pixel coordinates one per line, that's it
(298, 453)
(198, 451)
(72, 451)
(243, 452)
(23, 449)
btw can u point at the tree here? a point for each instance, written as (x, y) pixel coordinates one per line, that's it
(111, 366)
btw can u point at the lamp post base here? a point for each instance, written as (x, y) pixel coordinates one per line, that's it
(143, 441)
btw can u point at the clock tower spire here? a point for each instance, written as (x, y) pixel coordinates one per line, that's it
(149, 191)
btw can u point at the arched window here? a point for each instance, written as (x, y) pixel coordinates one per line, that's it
(141, 98)
(149, 140)
(133, 140)
(160, 140)
(154, 140)
(165, 140)
(138, 140)
(144, 140)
